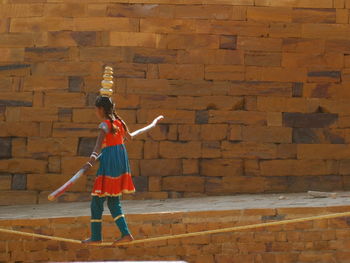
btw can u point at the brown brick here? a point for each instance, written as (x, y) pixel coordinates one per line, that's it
(19, 147)
(241, 28)
(267, 134)
(64, 100)
(4, 25)
(287, 151)
(151, 55)
(21, 10)
(16, 129)
(164, 132)
(313, 15)
(74, 130)
(342, 16)
(274, 14)
(54, 165)
(17, 197)
(211, 149)
(157, 25)
(188, 132)
(5, 182)
(151, 150)
(160, 167)
(38, 114)
(221, 167)
(237, 117)
(304, 45)
(296, 60)
(190, 149)
(224, 72)
(15, 69)
(253, 88)
(71, 165)
(16, 99)
(190, 166)
(74, 38)
(6, 85)
(274, 104)
(204, 56)
(137, 39)
(250, 150)
(37, 24)
(302, 3)
(243, 184)
(138, 10)
(34, 83)
(213, 131)
(85, 115)
(65, 10)
(66, 68)
(53, 146)
(285, 30)
(170, 71)
(275, 74)
(257, 58)
(135, 149)
(211, 102)
(47, 54)
(12, 54)
(105, 23)
(309, 120)
(171, 116)
(297, 167)
(235, 133)
(187, 41)
(154, 183)
(20, 165)
(183, 183)
(259, 44)
(322, 151)
(228, 42)
(314, 135)
(159, 101)
(45, 182)
(203, 11)
(12, 114)
(325, 31)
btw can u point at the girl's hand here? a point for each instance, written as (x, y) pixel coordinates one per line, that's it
(86, 167)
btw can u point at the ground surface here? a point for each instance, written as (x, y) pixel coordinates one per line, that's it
(177, 205)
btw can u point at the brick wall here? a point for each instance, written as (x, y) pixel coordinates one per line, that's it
(313, 241)
(255, 94)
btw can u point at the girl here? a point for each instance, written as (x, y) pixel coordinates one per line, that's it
(113, 175)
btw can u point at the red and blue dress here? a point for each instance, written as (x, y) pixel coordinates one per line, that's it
(113, 175)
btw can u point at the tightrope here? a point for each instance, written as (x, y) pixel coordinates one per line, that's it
(192, 234)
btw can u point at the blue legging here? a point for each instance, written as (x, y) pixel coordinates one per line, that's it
(115, 208)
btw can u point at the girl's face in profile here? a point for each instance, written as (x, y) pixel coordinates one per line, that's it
(100, 113)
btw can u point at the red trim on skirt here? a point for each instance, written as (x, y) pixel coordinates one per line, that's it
(113, 186)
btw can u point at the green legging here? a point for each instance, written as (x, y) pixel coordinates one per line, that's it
(115, 208)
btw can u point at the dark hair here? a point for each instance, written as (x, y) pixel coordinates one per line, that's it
(109, 109)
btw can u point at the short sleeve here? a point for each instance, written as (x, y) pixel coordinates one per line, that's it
(103, 126)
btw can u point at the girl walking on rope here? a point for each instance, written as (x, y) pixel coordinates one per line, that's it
(113, 175)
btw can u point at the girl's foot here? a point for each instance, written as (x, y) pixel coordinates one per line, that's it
(91, 242)
(126, 238)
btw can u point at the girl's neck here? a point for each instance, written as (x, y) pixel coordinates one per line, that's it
(113, 118)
